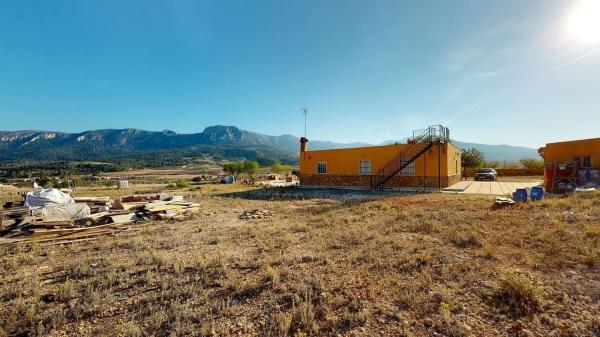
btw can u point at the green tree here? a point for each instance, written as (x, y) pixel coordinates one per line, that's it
(44, 181)
(532, 163)
(250, 167)
(472, 158)
(279, 168)
(233, 168)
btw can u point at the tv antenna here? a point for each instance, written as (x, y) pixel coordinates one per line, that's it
(305, 112)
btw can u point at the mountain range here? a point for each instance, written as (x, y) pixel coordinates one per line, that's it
(219, 141)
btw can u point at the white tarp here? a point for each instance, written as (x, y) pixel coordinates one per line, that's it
(66, 212)
(47, 198)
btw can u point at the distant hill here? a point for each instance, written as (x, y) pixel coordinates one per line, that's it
(218, 141)
(500, 153)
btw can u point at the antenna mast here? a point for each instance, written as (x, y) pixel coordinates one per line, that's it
(305, 112)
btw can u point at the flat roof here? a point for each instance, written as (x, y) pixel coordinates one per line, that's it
(368, 147)
(573, 141)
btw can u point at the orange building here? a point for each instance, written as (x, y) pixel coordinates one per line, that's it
(571, 163)
(427, 160)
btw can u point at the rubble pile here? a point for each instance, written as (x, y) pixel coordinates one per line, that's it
(52, 216)
(256, 214)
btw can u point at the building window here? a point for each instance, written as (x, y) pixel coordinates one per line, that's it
(322, 168)
(584, 161)
(365, 167)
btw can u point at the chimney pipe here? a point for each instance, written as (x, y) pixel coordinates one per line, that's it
(303, 144)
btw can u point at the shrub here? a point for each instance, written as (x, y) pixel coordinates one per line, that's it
(466, 240)
(591, 257)
(280, 325)
(272, 276)
(532, 163)
(488, 252)
(304, 320)
(182, 183)
(519, 292)
(471, 158)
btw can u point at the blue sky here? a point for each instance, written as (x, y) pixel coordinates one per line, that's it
(508, 71)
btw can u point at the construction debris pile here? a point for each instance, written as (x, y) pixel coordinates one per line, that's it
(53, 217)
(502, 201)
(256, 214)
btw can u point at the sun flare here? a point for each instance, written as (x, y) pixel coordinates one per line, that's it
(583, 22)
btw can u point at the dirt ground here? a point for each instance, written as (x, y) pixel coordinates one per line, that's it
(327, 263)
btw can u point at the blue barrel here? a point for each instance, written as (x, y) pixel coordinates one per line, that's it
(520, 195)
(537, 193)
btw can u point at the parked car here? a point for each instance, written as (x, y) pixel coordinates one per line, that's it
(228, 179)
(486, 174)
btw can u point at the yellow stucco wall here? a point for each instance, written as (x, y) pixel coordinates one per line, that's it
(347, 161)
(566, 151)
(453, 160)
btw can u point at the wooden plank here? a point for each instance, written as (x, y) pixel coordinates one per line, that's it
(165, 208)
(9, 241)
(62, 242)
(132, 205)
(75, 236)
(68, 231)
(124, 218)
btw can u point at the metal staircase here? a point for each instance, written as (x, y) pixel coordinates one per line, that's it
(421, 141)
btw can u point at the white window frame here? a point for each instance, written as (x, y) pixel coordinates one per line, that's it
(360, 167)
(322, 163)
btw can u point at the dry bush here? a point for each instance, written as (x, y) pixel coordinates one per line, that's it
(591, 257)
(272, 276)
(519, 292)
(422, 226)
(304, 321)
(279, 325)
(469, 239)
(488, 251)
(354, 314)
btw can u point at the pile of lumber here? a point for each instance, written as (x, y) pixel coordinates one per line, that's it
(256, 214)
(18, 225)
(12, 214)
(163, 207)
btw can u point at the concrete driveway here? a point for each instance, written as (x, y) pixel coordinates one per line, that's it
(490, 187)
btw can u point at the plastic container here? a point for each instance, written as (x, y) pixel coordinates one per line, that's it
(520, 195)
(537, 193)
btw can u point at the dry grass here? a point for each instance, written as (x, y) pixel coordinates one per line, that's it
(413, 265)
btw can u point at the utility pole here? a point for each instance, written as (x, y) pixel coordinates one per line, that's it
(305, 112)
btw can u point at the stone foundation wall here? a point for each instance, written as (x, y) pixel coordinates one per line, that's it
(453, 179)
(365, 181)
